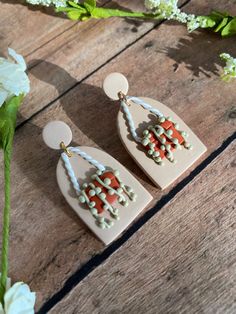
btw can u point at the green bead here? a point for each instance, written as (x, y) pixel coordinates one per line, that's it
(94, 211)
(102, 196)
(116, 173)
(145, 132)
(98, 172)
(110, 223)
(98, 190)
(168, 146)
(92, 193)
(163, 147)
(129, 189)
(119, 190)
(162, 119)
(84, 185)
(169, 132)
(82, 199)
(175, 140)
(150, 152)
(92, 204)
(156, 154)
(145, 142)
(101, 219)
(162, 140)
(107, 181)
(111, 192)
(105, 207)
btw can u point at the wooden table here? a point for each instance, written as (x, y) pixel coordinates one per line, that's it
(180, 254)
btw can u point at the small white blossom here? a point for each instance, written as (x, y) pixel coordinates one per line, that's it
(18, 300)
(166, 8)
(169, 10)
(230, 67)
(13, 79)
(47, 3)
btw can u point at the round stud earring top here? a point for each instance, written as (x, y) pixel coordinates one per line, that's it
(56, 133)
(114, 84)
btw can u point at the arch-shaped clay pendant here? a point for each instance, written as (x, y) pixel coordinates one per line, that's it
(156, 137)
(101, 191)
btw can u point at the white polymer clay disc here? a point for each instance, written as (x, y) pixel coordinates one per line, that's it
(115, 83)
(56, 132)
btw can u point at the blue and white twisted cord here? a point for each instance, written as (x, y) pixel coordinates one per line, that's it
(129, 118)
(130, 122)
(70, 170)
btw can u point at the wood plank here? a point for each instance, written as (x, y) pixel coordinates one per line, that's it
(181, 261)
(78, 52)
(26, 28)
(54, 241)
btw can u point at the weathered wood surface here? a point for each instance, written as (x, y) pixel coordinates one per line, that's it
(181, 261)
(183, 68)
(77, 52)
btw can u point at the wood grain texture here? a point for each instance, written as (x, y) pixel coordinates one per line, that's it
(78, 52)
(180, 261)
(162, 65)
(31, 29)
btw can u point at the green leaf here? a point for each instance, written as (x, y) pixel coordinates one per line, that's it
(230, 28)
(90, 5)
(222, 24)
(8, 113)
(74, 15)
(74, 5)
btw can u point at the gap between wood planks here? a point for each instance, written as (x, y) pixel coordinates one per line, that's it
(98, 259)
(92, 72)
(59, 34)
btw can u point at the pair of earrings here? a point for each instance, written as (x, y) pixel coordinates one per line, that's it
(97, 186)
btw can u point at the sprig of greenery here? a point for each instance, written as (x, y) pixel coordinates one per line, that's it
(88, 9)
(219, 22)
(8, 113)
(223, 23)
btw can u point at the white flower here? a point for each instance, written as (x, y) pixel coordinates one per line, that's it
(47, 3)
(230, 67)
(166, 8)
(18, 300)
(13, 79)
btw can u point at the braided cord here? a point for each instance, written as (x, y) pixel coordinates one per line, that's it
(129, 118)
(70, 170)
(130, 122)
(146, 106)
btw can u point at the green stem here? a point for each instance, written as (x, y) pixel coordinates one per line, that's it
(6, 220)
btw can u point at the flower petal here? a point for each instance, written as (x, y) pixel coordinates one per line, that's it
(19, 59)
(19, 299)
(3, 97)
